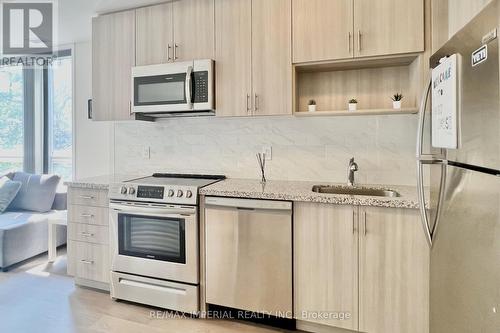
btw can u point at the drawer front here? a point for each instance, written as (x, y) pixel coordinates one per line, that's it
(88, 197)
(88, 261)
(88, 215)
(159, 293)
(88, 233)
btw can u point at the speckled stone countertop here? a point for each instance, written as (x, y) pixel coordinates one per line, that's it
(302, 191)
(276, 190)
(99, 182)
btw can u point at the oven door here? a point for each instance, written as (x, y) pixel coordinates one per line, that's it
(162, 88)
(154, 240)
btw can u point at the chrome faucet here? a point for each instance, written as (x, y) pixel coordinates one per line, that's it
(353, 167)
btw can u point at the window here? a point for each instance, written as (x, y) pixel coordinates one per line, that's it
(58, 119)
(11, 118)
(36, 118)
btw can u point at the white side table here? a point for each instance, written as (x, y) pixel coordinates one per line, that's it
(59, 218)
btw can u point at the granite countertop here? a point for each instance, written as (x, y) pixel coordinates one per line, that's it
(301, 191)
(99, 182)
(276, 190)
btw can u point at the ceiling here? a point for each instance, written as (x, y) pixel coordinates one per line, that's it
(75, 16)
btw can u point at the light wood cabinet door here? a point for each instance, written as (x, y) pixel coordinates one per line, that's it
(271, 57)
(193, 29)
(385, 27)
(233, 56)
(326, 263)
(154, 34)
(393, 272)
(113, 56)
(322, 30)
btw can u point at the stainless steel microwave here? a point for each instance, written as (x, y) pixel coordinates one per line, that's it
(174, 89)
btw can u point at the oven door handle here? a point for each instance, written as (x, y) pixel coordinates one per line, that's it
(152, 211)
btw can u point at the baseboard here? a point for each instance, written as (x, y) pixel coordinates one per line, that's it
(318, 328)
(101, 286)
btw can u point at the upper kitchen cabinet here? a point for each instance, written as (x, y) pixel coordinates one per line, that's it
(325, 30)
(193, 29)
(113, 56)
(385, 27)
(233, 56)
(154, 34)
(175, 31)
(253, 52)
(322, 30)
(271, 54)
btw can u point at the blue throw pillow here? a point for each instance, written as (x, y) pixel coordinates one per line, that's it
(8, 191)
(37, 192)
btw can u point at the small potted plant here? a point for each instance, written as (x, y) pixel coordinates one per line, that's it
(312, 105)
(353, 104)
(396, 100)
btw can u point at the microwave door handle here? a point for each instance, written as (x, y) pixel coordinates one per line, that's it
(189, 94)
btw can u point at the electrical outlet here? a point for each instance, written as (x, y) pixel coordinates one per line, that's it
(268, 150)
(146, 152)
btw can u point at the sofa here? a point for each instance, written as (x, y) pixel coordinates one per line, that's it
(23, 232)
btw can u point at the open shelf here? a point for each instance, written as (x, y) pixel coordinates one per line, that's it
(365, 112)
(371, 81)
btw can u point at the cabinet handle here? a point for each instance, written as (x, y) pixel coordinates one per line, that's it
(90, 216)
(86, 197)
(89, 109)
(130, 107)
(87, 262)
(365, 229)
(176, 46)
(256, 106)
(353, 222)
(169, 58)
(249, 107)
(87, 234)
(349, 42)
(359, 40)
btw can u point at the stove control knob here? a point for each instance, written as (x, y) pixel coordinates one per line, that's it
(189, 194)
(131, 190)
(171, 193)
(180, 193)
(123, 190)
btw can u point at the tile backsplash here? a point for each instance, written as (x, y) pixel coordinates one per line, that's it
(314, 149)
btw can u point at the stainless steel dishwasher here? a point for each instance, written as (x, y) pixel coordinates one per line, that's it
(249, 255)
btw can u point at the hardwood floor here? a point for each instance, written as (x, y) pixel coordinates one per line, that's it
(40, 297)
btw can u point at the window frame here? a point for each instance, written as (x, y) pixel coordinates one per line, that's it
(62, 51)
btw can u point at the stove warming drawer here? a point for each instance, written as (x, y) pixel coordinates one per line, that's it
(159, 293)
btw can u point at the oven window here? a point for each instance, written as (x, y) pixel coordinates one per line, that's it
(160, 89)
(156, 238)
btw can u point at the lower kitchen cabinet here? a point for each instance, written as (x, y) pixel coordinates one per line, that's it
(393, 272)
(360, 268)
(326, 264)
(88, 237)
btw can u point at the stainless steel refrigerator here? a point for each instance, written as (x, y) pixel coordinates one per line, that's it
(458, 158)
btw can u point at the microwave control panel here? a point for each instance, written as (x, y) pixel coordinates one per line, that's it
(200, 87)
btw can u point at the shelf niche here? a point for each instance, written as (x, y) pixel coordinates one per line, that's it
(372, 85)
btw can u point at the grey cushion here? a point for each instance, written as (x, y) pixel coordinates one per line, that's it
(8, 191)
(37, 192)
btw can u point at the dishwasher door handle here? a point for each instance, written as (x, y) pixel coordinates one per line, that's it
(248, 204)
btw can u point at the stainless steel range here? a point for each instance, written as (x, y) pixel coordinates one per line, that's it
(155, 240)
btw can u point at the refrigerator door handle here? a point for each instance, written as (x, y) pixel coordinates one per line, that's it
(423, 159)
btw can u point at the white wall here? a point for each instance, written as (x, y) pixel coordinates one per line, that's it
(93, 140)
(303, 149)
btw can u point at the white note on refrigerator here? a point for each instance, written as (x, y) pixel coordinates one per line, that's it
(445, 103)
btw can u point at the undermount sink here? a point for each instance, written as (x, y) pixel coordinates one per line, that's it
(366, 191)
